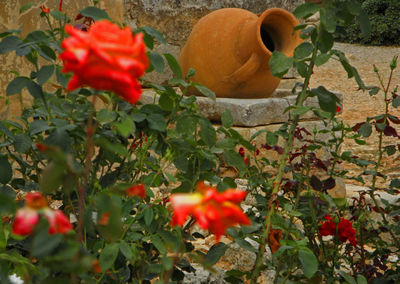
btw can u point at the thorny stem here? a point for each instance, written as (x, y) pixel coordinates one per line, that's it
(380, 155)
(277, 182)
(85, 178)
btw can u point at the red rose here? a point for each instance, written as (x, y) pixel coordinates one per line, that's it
(136, 190)
(105, 58)
(345, 230)
(212, 210)
(59, 223)
(25, 220)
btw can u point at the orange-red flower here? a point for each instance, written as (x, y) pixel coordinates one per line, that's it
(45, 9)
(105, 58)
(212, 210)
(27, 217)
(136, 190)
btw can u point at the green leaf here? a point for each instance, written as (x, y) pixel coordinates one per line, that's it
(327, 100)
(246, 245)
(361, 279)
(354, 7)
(35, 89)
(94, 13)
(47, 53)
(302, 68)
(157, 122)
(207, 132)
(52, 177)
(300, 110)
(5, 170)
(113, 147)
(271, 138)
(38, 126)
(303, 50)
(22, 143)
(26, 7)
(61, 78)
(59, 16)
(154, 33)
(126, 127)
(44, 244)
(174, 65)
(165, 102)
(347, 277)
(108, 256)
(45, 73)
(157, 61)
(9, 43)
(227, 119)
(159, 244)
(126, 250)
(390, 150)
(322, 58)
(16, 85)
(106, 116)
(280, 64)
(7, 203)
(365, 24)
(234, 159)
(365, 130)
(328, 19)
(215, 253)
(226, 143)
(148, 216)
(396, 102)
(205, 91)
(306, 10)
(325, 41)
(373, 91)
(308, 261)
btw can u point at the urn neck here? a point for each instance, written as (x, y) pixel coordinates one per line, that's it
(274, 31)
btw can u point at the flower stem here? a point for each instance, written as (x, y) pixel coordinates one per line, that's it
(277, 182)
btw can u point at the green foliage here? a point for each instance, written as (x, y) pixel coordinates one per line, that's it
(385, 24)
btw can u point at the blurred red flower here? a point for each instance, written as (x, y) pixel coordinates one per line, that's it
(105, 58)
(25, 220)
(59, 223)
(28, 216)
(45, 9)
(344, 230)
(136, 190)
(212, 210)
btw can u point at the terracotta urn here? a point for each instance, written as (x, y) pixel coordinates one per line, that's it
(230, 49)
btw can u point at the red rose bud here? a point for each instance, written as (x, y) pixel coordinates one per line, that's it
(241, 151)
(136, 190)
(105, 58)
(338, 109)
(78, 17)
(246, 160)
(45, 9)
(35, 200)
(60, 6)
(41, 147)
(104, 219)
(24, 222)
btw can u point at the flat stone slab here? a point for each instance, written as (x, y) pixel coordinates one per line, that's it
(248, 112)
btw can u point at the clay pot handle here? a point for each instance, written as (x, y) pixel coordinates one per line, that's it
(246, 70)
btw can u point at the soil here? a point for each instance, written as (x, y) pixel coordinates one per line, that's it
(358, 105)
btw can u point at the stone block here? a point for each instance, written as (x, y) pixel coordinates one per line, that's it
(248, 112)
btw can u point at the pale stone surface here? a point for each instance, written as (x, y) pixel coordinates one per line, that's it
(248, 112)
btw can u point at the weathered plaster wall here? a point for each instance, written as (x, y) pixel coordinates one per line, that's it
(27, 22)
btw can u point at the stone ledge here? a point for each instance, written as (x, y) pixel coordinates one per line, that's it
(248, 112)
